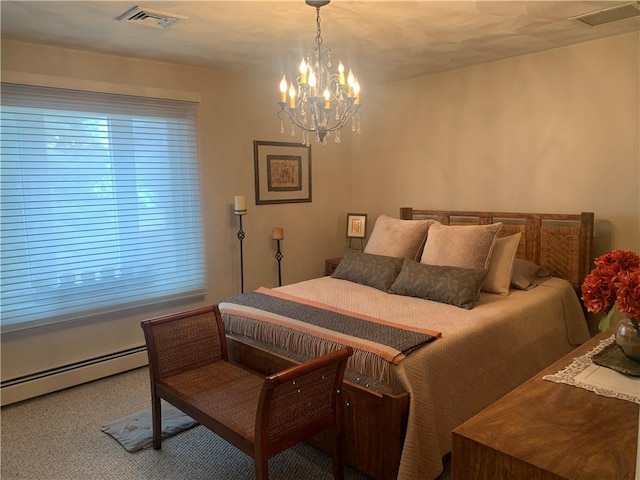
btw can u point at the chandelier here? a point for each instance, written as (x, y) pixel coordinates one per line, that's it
(318, 100)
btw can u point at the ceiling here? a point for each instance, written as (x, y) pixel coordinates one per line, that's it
(380, 40)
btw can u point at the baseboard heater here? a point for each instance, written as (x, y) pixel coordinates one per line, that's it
(59, 378)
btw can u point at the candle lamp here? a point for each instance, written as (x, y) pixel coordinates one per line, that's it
(278, 234)
(240, 209)
(240, 205)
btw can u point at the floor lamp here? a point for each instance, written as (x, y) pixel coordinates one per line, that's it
(240, 209)
(278, 234)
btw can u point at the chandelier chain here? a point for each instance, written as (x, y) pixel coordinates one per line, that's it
(318, 34)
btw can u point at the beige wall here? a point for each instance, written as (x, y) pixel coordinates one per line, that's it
(233, 112)
(556, 131)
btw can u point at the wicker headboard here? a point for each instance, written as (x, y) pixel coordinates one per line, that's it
(560, 243)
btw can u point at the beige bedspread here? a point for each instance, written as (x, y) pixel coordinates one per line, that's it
(483, 353)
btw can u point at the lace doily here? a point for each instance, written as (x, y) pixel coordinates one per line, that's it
(568, 375)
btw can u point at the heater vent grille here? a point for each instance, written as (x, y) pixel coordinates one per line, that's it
(150, 18)
(609, 15)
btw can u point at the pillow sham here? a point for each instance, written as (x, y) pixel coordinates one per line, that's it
(464, 246)
(393, 237)
(501, 265)
(453, 285)
(527, 274)
(376, 271)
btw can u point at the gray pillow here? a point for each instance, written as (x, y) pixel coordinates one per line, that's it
(377, 271)
(453, 285)
(527, 275)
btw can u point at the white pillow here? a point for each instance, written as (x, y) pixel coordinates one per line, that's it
(501, 265)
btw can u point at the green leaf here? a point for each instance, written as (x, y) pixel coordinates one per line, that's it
(605, 321)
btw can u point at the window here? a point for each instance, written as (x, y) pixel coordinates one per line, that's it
(101, 206)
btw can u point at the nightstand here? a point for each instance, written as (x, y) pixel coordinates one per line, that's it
(330, 265)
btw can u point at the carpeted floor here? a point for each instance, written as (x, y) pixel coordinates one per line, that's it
(58, 437)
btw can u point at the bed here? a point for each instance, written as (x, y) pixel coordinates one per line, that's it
(472, 335)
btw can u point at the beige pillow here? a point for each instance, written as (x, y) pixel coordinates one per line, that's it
(393, 237)
(501, 265)
(466, 246)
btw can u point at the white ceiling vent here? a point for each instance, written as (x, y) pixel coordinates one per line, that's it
(608, 15)
(149, 17)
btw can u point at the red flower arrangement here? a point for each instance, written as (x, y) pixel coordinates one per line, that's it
(614, 283)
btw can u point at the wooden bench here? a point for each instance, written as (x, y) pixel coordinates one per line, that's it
(261, 416)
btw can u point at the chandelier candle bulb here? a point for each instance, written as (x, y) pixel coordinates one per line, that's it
(341, 73)
(277, 233)
(292, 96)
(303, 72)
(240, 203)
(312, 83)
(351, 80)
(283, 89)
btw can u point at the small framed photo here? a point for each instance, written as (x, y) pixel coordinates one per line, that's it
(282, 172)
(356, 225)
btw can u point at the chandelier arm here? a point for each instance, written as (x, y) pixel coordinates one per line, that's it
(295, 120)
(350, 112)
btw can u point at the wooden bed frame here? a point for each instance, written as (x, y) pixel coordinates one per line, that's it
(375, 423)
(560, 243)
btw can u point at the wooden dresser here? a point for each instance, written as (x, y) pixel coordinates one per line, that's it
(546, 430)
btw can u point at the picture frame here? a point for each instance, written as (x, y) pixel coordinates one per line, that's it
(282, 172)
(356, 225)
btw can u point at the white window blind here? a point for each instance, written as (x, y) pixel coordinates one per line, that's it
(101, 206)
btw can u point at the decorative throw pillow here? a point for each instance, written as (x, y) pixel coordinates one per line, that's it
(465, 246)
(527, 274)
(453, 285)
(501, 265)
(376, 271)
(394, 237)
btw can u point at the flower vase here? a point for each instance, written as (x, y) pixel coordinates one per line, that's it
(628, 337)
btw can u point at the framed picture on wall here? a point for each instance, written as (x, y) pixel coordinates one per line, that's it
(282, 172)
(356, 225)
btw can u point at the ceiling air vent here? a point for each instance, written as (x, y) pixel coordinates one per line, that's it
(149, 17)
(608, 15)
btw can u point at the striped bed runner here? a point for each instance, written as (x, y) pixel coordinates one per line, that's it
(368, 334)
